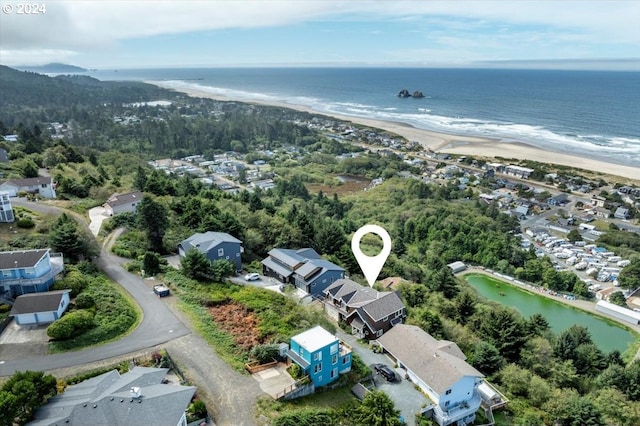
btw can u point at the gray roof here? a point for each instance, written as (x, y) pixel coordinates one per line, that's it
(208, 241)
(122, 199)
(105, 400)
(437, 363)
(21, 259)
(293, 258)
(38, 302)
(383, 306)
(28, 181)
(375, 304)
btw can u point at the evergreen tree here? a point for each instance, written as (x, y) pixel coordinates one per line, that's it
(194, 264)
(152, 217)
(377, 409)
(65, 238)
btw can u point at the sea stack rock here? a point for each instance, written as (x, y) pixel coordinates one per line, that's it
(418, 94)
(404, 93)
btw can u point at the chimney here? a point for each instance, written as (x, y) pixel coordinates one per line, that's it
(135, 392)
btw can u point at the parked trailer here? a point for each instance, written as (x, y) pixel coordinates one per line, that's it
(614, 259)
(623, 263)
(580, 266)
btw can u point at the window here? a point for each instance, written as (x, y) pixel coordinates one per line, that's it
(301, 351)
(385, 318)
(317, 368)
(446, 404)
(220, 252)
(317, 356)
(334, 359)
(345, 359)
(448, 392)
(334, 348)
(378, 333)
(334, 373)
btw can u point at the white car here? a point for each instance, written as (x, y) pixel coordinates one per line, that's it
(253, 276)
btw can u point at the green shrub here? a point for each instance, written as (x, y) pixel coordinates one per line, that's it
(265, 353)
(70, 325)
(4, 308)
(295, 371)
(25, 223)
(75, 281)
(84, 301)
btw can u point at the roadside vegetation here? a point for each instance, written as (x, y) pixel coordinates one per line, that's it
(101, 311)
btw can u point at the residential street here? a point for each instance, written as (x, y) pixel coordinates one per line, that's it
(230, 395)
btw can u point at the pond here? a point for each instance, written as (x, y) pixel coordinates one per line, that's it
(608, 336)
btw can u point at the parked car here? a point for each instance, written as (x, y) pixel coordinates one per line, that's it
(253, 276)
(385, 371)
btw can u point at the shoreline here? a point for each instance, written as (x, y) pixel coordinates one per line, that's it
(477, 146)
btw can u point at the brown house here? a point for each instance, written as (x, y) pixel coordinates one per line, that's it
(369, 312)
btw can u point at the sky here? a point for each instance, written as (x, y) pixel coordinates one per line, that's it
(107, 34)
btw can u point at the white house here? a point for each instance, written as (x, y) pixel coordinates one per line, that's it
(43, 186)
(122, 203)
(40, 308)
(438, 367)
(6, 210)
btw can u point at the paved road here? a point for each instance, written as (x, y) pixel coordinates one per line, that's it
(158, 325)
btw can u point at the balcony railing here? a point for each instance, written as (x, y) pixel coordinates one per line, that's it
(57, 266)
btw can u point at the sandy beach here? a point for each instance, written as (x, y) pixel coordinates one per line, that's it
(447, 143)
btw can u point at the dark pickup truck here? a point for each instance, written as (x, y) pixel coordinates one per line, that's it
(161, 290)
(385, 371)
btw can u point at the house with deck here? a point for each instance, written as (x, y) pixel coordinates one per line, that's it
(320, 354)
(42, 186)
(6, 210)
(439, 369)
(215, 246)
(28, 271)
(141, 396)
(369, 312)
(122, 203)
(40, 308)
(304, 268)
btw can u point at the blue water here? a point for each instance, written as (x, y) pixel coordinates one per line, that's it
(591, 113)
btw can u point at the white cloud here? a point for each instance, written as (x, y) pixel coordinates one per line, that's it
(87, 26)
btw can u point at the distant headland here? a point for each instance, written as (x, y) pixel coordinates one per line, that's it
(51, 68)
(404, 93)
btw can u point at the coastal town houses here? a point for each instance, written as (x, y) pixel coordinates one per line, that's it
(42, 186)
(6, 210)
(215, 246)
(439, 369)
(304, 268)
(369, 312)
(28, 271)
(122, 203)
(141, 396)
(320, 354)
(40, 308)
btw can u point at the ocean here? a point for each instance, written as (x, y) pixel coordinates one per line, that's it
(588, 113)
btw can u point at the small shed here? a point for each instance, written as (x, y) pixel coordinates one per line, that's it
(457, 266)
(40, 308)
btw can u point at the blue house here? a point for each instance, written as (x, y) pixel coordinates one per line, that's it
(303, 268)
(28, 271)
(320, 354)
(215, 246)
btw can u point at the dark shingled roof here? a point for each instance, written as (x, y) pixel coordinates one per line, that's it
(105, 400)
(21, 259)
(28, 181)
(38, 302)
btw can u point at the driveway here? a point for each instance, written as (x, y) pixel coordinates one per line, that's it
(97, 216)
(403, 393)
